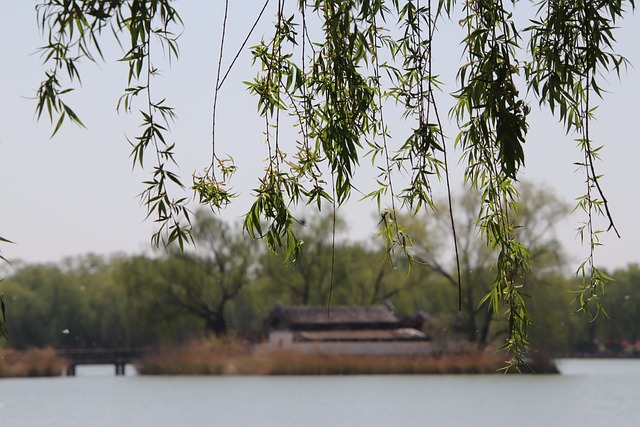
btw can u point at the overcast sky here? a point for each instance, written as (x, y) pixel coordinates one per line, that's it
(77, 193)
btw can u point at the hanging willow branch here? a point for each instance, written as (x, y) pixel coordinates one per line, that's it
(332, 69)
(572, 46)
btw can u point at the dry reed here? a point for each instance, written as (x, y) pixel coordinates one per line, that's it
(34, 362)
(234, 357)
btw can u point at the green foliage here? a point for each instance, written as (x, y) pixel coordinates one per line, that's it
(72, 30)
(156, 289)
(331, 272)
(198, 284)
(49, 307)
(482, 323)
(337, 95)
(139, 301)
(555, 327)
(621, 300)
(332, 69)
(492, 119)
(572, 46)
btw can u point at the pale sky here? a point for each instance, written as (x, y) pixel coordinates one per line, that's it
(76, 193)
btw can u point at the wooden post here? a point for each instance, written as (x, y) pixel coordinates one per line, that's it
(71, 370)
(120, 369)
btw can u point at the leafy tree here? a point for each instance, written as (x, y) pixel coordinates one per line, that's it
(27, 316)
(335, 67)
(108, 317)
(201, 282)
(621, 301)
(48, 308)
(361, 277)
(229, 258)
(310, 278)
(151, 319)
(556, 326)
(329, 269)
(538, 214)
(431, 250)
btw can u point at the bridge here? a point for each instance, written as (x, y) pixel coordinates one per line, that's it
(99, 356)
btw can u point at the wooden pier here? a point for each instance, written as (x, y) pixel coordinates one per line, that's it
(99, 356)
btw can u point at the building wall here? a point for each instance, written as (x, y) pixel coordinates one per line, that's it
(283, 341)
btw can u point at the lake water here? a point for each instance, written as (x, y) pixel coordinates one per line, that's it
(588, 393)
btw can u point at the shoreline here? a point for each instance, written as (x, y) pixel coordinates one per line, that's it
(233, 357)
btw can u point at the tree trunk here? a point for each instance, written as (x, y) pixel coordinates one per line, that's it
(218, 325)
(484, 332)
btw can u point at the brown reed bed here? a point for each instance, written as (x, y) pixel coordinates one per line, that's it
(203, 357)
(234, 357)
(34, 362)
(301, 364)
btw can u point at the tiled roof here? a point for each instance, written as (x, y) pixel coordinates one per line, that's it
(367, 335)
(323, 317)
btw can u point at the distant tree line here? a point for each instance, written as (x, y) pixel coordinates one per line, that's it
(228, 282)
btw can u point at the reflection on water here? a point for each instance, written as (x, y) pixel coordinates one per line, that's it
(599, 367)
(102, 370)
(590, 393)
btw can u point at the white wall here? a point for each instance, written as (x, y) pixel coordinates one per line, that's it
(283, 341)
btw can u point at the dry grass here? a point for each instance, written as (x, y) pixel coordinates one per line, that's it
(209, 357)
(35, 362)
(234, 357)
(298, 364)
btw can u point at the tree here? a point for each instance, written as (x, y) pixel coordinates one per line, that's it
(538, 216)
(107, 317)
(151, 318)
(49, 308)
(201, 282)
(329, 271)
(556, 328)
(621, 301)
(308, 280)
(334, 68)
(228, 258)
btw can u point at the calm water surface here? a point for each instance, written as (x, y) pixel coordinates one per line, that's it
(588, 393)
